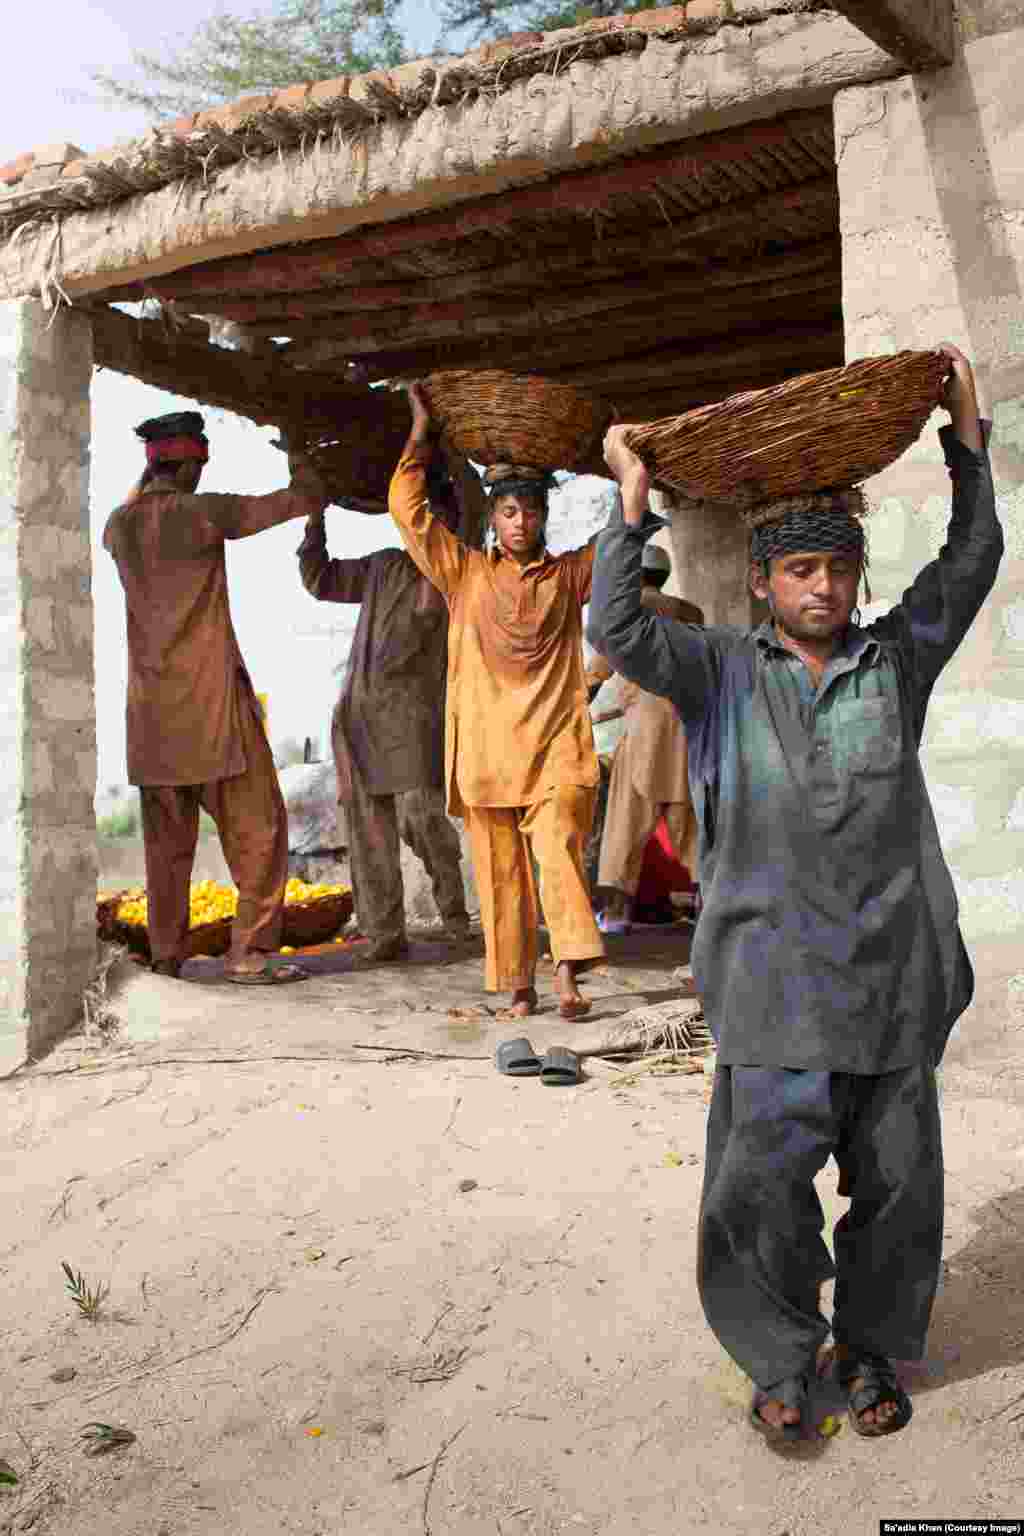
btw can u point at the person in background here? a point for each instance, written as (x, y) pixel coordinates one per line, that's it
(649, 770)
(194, 728)
(388, 725)
(828, 954)
(520, 762)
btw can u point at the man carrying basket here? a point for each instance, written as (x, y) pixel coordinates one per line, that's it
(520, 762)
(828, 953)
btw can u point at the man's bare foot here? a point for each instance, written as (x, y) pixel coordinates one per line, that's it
(571, 1002)
(524, 1002)
(777, 1414)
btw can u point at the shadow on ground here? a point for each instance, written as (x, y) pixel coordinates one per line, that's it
(978, 1323)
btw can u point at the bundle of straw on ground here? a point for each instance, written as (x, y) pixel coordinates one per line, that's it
(509, 418)
(815, 432)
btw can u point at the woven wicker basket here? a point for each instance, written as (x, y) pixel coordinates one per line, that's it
(359, 458)
(815, 432)
(314, 922)
(310, 922)
(507, 418)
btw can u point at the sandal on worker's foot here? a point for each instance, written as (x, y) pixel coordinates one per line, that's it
(269, 976)
(878, 1384)
(791, 1393)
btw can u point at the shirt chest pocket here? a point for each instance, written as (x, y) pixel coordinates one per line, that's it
(871, 735)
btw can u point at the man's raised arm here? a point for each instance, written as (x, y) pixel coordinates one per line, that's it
(661, 655)
(936, 612)
(440, 556)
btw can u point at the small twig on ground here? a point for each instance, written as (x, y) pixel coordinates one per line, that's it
(33, 1459)
(62, 1203)
(451, 1117)
(400, 1477)
(441, 1367)
(449, 1306)
(248, 1061)
(1005, 1409)
(204, 1349)
(434, 1465)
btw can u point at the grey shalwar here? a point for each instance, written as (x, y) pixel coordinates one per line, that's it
(828, 953)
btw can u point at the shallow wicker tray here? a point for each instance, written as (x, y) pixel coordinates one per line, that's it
(814, 432)
(517, 418)
(305, 923)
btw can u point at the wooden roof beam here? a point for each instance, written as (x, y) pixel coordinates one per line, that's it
(734, 356)
(551, 350)
(358, 336)
(264, 390)
(771, 216)
(919, 33)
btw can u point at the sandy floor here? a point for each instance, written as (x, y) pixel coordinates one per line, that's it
(315, 1325)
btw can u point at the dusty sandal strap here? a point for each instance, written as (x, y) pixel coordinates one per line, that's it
(791, 1393)
(879, 1384)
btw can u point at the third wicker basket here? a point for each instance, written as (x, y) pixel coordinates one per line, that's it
(814, 432)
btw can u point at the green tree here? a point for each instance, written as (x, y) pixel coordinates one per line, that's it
(230, 55)
(476, 20)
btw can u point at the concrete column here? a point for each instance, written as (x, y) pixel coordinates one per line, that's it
(710, 560)
(931, 184)
(47, 710)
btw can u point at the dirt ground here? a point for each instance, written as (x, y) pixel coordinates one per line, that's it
(356, 1289)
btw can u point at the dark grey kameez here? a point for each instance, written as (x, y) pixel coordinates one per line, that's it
(828, 944)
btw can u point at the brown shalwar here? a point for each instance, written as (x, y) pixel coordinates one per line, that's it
(253, 826)
(519, 749)
(192, 718)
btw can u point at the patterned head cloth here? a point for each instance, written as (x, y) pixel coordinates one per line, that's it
(172, 439)
(518, 480)
(820, 522)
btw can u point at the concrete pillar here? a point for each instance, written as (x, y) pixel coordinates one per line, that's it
(709, 545)
(47, 709)
(931, 184)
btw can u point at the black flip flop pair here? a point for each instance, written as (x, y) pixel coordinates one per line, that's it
(558, 1068)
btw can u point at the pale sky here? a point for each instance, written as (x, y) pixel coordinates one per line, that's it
(285, 636)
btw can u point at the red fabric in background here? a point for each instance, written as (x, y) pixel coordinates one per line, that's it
(661, 871)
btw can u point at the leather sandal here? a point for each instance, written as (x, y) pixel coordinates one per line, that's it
(791, 1393)
(878, 1384)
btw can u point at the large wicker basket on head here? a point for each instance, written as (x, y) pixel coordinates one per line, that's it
(358, 457)
(517, 418)
(811, 433)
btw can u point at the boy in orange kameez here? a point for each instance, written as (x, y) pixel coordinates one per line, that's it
(520, 766)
